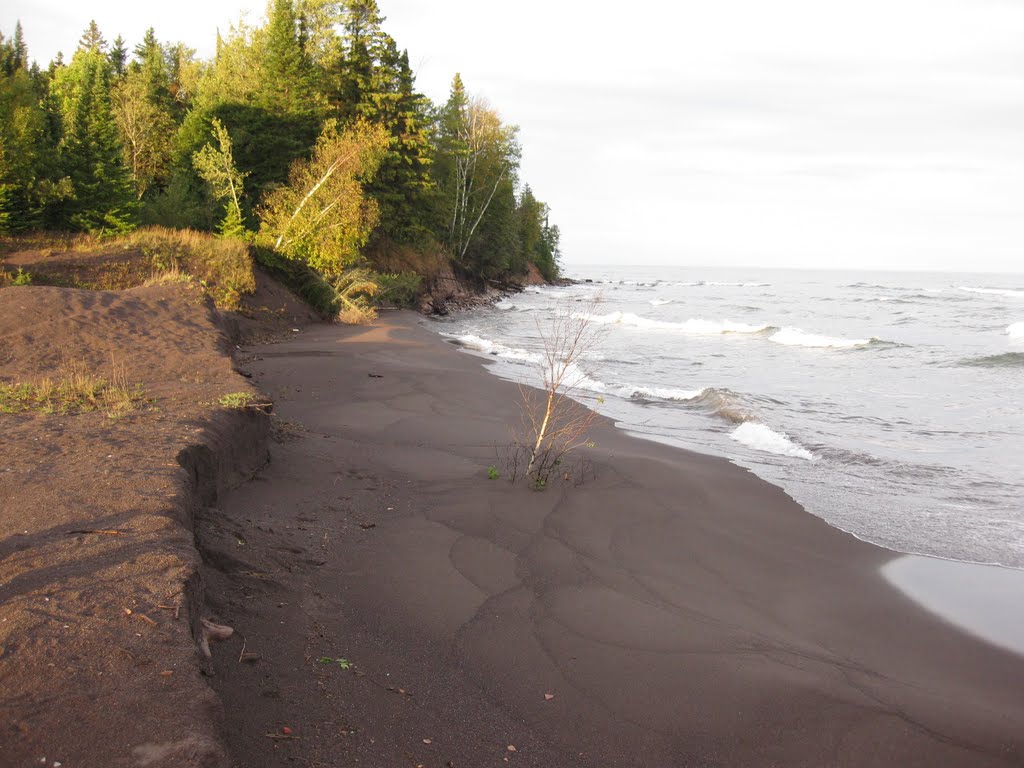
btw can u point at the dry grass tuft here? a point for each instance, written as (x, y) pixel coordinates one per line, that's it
(76, 390)
(221, 265)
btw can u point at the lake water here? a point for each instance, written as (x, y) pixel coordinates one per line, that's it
(889, 404)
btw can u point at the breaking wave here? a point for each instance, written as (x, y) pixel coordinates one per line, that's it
(794, 337)
(488, 347)
(761, 437)
(630, 391)
(691, 326)
(1015, 331)
(1007, 292)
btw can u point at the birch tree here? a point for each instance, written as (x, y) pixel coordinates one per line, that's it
(146, 130)
(321, 216)
(478, 154)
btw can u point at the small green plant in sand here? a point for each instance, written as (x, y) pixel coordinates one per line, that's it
(76, 390)
(21, 277)
(240, 400)
(492, 473)
(341, 663)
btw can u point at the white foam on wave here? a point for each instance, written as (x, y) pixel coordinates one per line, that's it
(661, 393)
(576, 378)
(1015, 331)
(736, 285)
(763, 438)
(1007, 292)
(794, 337)
(693, 325)
(488, 347)
(660, 302)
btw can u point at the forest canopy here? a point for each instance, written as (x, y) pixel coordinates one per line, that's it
(305, 135)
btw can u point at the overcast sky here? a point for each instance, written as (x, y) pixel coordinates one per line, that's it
(850, 133)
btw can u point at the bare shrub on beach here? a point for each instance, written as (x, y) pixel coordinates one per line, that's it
(554, 423)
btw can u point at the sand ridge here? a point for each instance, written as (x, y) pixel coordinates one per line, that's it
(99, 584)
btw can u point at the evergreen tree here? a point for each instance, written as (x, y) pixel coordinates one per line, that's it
(92, 38)
(118, 57)
(20, 58)
(90, 149)
(494, 249)
(403, 186)
(537, 239)
(362, 45)
(288, 87)
(29, 178)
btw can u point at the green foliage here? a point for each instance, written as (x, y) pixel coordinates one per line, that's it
(399, 289)
(90, 149)
(288, 87)
(149, 133)
(266, 145)
(477, 164)
(321, 216)
(216, 166)
(146, 127)
(538, 240)
(30, 179)
(492, 473)
(21, 277)
(237, 400)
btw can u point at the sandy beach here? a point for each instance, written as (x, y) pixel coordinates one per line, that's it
(673, 610)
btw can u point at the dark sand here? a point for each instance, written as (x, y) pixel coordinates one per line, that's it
(99, 587)
(681, 611)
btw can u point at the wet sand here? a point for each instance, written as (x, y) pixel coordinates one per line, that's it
(673, 610)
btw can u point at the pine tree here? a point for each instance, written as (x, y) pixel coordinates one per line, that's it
(90, 149)
(29, 178)
(287, 88)
(151, 62)
(537, 239)
(362, 46)
(403, 185)
(20, 59)
(118, 57)
(92, 38)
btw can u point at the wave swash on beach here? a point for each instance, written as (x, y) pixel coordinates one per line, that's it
(791, 373)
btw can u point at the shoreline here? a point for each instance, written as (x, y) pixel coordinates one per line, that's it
(668, 441)
(970, 609)
(669, 605)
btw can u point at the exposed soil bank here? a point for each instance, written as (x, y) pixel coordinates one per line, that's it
(674, 610)
(100, 590)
